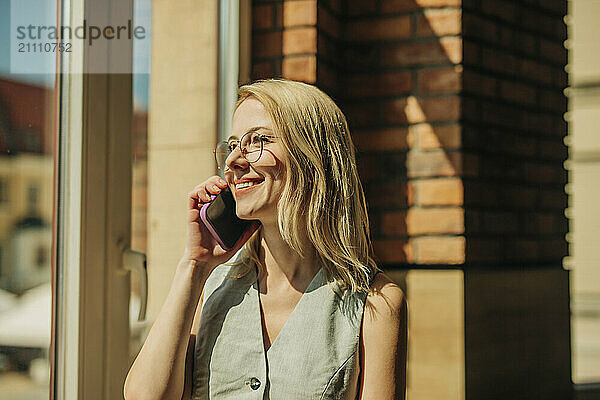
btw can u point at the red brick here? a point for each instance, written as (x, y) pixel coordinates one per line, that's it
(303, 68)
(558, 7)
(535, 71)
(439, 192)
(363, 114)
(326, 76)
(518, 144)
(479, 83)
(553, 150)
(418, 53)
(439, 22)
(553, 100)
(545, 223)
(389, 194)
(379, 29)
(483, 250)
(367, 167)
(381, 140)
(328, 23)
(441, 108)
(328, 49)
(335, 5)
(521, 250)
(393, 6)
(435, 137)
(394, 111)
(472, 53)
(470, 165)
(424, 221)
(440, 250)
(389, 83)
(299, 41)
(262, 70)
(482, 194)
(394, 223)
(527, 43)
(299, 13)
(554, 249)
(440, 80)
(479, 28)
(518, 197)
(517, 92)
(278, 15)
(507, 36)
(262, 16)
(500, 222)
(502, 9)
(433, 163)
(266, 44)
(437, 3)
(360, 7)
(394, 251)
(499, 61)
(415, 110)
(553, 51)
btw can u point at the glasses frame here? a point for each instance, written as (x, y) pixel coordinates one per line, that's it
(243, 152)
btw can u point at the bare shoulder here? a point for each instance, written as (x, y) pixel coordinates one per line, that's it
(383, 341)
(386, 299)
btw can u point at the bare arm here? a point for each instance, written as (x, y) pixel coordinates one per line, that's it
(158, 372)
(159, 369)
(383, 342)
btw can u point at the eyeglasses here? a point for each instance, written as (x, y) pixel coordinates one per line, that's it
(251, 147)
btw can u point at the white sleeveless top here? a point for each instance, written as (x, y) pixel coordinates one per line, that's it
(314, 356)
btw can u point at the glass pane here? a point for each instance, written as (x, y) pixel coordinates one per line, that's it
(27, 123)
(141, 53)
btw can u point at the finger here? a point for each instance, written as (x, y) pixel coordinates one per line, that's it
(220, 182)
(213, 189)
(192, 199)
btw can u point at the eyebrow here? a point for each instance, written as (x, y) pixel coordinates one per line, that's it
(253, 129)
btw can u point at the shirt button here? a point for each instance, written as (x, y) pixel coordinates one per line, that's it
(254, 383)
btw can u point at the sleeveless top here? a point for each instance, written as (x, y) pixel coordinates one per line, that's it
(314, 356)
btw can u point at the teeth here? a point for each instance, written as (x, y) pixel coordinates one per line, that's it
(246, 184)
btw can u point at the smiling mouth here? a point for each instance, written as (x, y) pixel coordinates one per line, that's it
(246, 186)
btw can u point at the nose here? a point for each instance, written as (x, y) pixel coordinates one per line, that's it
(235, 160)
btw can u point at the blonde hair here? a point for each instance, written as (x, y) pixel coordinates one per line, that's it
(322, 198)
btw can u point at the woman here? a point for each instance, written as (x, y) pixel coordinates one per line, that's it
(284, 319)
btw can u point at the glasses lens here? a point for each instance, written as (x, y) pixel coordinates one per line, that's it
(251, 146)
(222, 151)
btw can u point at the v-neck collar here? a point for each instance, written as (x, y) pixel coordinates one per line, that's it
(317, 281)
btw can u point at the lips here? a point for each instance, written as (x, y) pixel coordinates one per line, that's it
(244, 185)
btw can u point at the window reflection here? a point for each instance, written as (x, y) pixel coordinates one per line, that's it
(141, 98)
(26, 174)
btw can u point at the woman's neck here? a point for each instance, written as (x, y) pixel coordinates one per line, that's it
(283, 265)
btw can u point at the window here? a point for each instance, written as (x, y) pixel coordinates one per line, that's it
(3, 191)
(32, 195)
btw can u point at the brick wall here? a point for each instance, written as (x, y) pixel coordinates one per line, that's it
(456, 112)
(284, 39)
(402, 88)
(513, 127)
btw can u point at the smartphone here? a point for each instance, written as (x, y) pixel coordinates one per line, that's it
(221, 220)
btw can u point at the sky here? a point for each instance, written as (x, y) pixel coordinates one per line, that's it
(45, 10)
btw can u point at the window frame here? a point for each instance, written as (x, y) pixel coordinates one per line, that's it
(91, 228)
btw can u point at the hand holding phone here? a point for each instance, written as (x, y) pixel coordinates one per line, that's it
(216, 247)
(220, 219)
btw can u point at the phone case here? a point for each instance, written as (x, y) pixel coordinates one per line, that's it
(220, 219)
